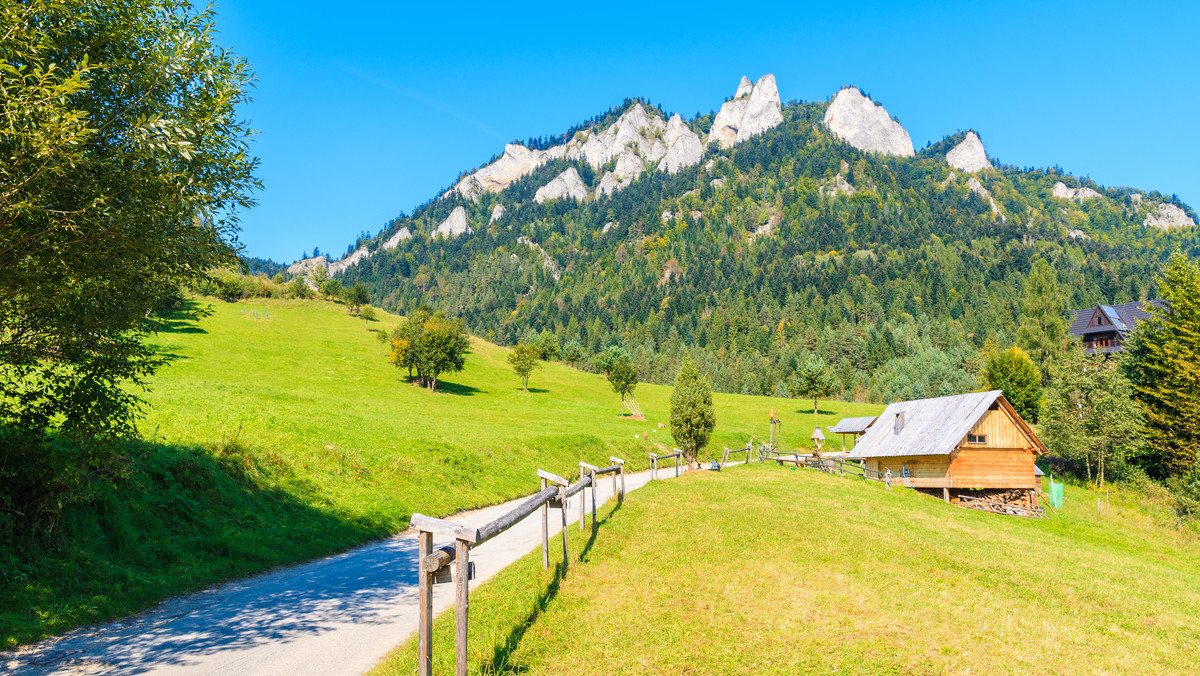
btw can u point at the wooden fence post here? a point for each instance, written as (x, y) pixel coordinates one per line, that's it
(621, 464)
(545, 532)
(462, 569)
(677, 467)
(562, 495)
(593, 475)
(425, 596)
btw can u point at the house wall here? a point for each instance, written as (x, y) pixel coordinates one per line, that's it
(1001, 432)
(993, 468)
(924, 471)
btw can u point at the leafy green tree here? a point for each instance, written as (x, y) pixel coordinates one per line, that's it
(610, 354)
(1091, 416)
(429, 344)
(547, 345)
(692, 417)
(1162, 360)
(320, 275)
(1042, 329)
(525, 359)
(331, 288)
(124, 168)
(1015, 373)
(358, 296)
(299, 288)
(814, 380)
(622, 376)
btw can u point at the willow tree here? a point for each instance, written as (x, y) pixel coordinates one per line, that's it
(125, 165)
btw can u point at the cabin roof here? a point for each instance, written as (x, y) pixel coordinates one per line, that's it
(852, 425)
(1120, 318)
(933, 426)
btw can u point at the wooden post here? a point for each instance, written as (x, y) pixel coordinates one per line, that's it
(676, 466)
(621, 463)
(462, 567)
(946, 494)
(887, 476)
(582, 509)
(622, 483)
(425, 599)
(562, 495)
(593, 475)
(545, 532)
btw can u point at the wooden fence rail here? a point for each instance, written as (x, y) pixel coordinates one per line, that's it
(434, 565)
(725, 457)
(667, 456)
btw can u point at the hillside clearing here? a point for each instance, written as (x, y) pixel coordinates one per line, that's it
(281, 434)
(764, 570)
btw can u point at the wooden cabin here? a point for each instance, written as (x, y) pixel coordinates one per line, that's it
(967, 441)
(855, 427)
(1105, 328)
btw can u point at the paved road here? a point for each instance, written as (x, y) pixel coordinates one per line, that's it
(337, 615)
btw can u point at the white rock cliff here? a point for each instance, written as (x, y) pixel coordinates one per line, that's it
(752, 110)
(454, 225)
(1167, 216)
(566, 184)
(969, 155)
(866, 125)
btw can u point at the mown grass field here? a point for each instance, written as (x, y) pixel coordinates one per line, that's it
(281, 433)
(765, 570)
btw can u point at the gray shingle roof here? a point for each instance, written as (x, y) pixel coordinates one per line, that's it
(852, 425)
(931, 426)
(1127, 315)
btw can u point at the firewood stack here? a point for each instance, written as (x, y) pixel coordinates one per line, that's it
(1016, 502)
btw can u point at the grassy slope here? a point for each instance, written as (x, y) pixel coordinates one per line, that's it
(765, 570)
(282, 433)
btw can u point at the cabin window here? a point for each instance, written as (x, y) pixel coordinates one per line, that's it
(976, 438)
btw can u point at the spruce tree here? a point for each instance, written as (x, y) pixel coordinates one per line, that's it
(1162, 360)
(692, 417)
(1042, 332)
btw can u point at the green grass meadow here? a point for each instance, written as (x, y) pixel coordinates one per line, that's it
(766, 570)
(281, 433)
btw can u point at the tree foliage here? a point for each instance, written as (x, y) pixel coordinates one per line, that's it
(525, 359)
(1091, 416)
(622, 377)
(1162, 360)
(429, 344)
(1015, 373)
(125, 163)
(814, 380)
(692, 417)
(1042, 328)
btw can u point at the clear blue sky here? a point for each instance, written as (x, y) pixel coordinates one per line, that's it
(367, 109)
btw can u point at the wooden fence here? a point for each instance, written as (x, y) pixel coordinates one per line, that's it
(434, 566)
(677, 454)
(725, 456)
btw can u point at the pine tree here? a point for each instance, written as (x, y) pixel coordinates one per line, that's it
(1162, 360)
(692, 417)
(1042, 332)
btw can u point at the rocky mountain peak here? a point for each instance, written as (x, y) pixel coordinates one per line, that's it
(1167, 216)
(748, 113)
(866, 125)
(969, 155)
(683, 146)
(566, 184)
(454, 225)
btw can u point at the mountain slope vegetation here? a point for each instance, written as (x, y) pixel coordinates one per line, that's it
(753, 257)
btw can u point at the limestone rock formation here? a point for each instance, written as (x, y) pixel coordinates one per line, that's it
(497, 213)
(629, 167)
(1077, 234)
(717, 182)
(751, 111)
(517, 161)
(866, 125)
(394, 241)
(969, 155)
(635, 127)
(454, 225)
(1167, 216)
(306, 266)
(608, 226)
(1079, 194)
(566, 184)
(358, 255)
(836, 185)
(683, 145)
(547, 261)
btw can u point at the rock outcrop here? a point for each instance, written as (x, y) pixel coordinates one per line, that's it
(1060, 189)
(837, 184)
(566, 184)
(454, 225)
(635, 127)
(1077, 234)
(629, 167)
(516, 162)
(866, 125)
(1167, 216)
(969, 155)
(547, 261)
(357, 256)
(752, 110)
(497, 213)
(399, 236)
(683, 145)
(306, 266)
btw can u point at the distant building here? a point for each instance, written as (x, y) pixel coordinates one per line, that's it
(1105, 328)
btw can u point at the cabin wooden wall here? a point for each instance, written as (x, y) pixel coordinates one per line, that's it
(924, 471)
(1001, 432)
(993, 468)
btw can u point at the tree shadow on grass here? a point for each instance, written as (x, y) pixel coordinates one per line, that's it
(502, 654)
(184, 318)
(457, 389)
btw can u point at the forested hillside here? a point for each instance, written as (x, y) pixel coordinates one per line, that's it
(895, 270)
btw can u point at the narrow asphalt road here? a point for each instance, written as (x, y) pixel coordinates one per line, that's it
(337, 615)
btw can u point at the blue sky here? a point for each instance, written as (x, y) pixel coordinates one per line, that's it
(368, 109)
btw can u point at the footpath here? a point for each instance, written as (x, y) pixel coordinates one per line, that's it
(332, 616)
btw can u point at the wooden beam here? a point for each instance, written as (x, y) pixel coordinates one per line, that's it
(554, 478)
(425, 601)
(545, 527)
(441, 527)
(461, 606)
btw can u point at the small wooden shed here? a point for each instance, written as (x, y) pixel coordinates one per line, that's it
(855, 427)
(967, 441)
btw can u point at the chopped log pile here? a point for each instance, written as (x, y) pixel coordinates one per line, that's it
(1017, 502)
